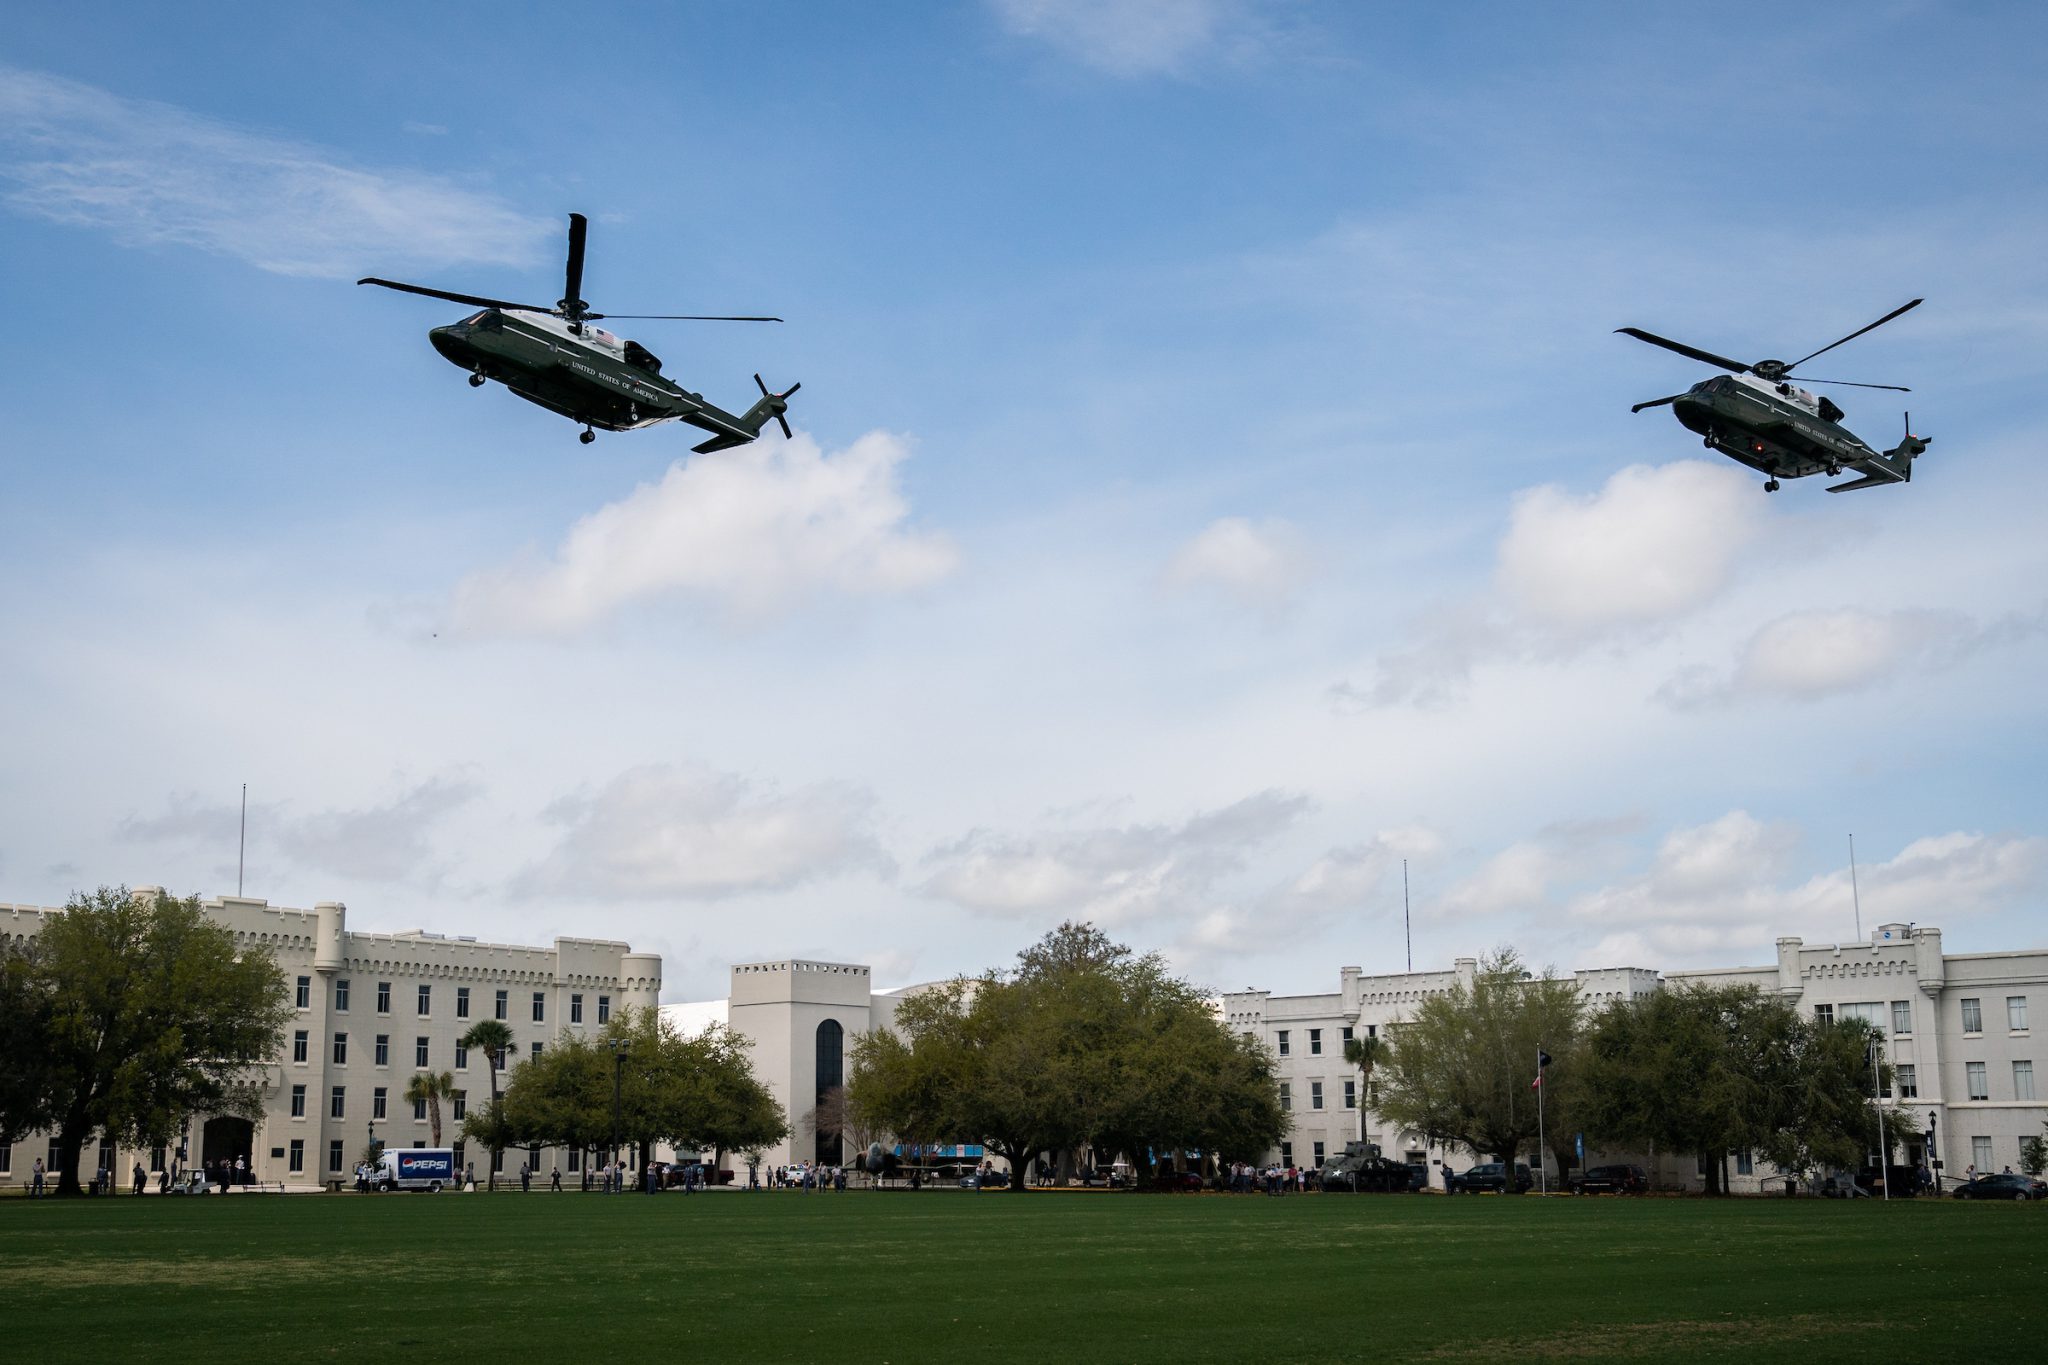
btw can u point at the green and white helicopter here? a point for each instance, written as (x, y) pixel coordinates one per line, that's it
(1757, 416)
(554, 357)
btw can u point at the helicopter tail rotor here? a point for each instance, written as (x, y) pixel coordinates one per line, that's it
(774, 405)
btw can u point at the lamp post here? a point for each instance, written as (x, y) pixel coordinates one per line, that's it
(620, 1047)
(1884, 1159)
(1933, 1154)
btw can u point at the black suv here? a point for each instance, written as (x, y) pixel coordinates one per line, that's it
(1612, 1180)
(1491, 1177)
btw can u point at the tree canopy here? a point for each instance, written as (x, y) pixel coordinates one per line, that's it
(1462, 1067)
(693, 1092)
(126, 1016)
(1719, 1069)
(1084, 1042)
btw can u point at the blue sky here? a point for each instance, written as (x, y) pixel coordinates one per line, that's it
(1214, 481)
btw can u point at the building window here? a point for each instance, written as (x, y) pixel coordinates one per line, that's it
(1319, 1155)
(383, 997)
(1347, 1033)
(1980, 1154)
(378, 1100)
(1286, 1095)
(1351, 1094)
(575, 1009)
(298, 1158)
(156, 1159)
(419, 1052)
(1372, 1030)
(6, 1156)
(341, 1049)
(536, 1050)
(504, 1005)
(2023, 1080)
(1909, 1081)
(426, 1000)
(540, 1007)
(305, 999)
(341, 995)
(1823, 1014)
(337, 1105)
(383, 1049)
(498, 1162)
(1315, 1042)
(575, 1160)
(298, 1101)
(299, 1046)
(334, 1157)
(1315, 1094)
(2016, 1012)
(1973, 1016)
(1980, 1089)
(1745, 1163)
(1283, 1042)
(604, 1009)
(462, 1002)
(1902, 1016)
(461, 1102)
(1286, 1154)
(461, 1057)
(419, 1111)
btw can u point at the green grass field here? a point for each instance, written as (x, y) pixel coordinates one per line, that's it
(949, 1276)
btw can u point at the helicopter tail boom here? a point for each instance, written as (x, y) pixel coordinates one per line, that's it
(1893, 466)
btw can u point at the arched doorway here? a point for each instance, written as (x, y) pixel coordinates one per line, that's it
(224, 1139)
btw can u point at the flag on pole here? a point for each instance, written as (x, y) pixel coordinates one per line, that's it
(1542, 1060)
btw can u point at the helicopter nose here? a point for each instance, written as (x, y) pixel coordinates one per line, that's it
(453, 343)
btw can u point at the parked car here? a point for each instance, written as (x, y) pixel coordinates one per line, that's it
(1490, 1177)
(2004, 1186)
(1418, 1177)
(1178, 1180)
(986, 1180)
(1611, 1180)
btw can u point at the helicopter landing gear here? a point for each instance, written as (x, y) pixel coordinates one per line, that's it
(1708, 440)
(1770, 485)
(476, 381)
(1833, 470)
(586, 436)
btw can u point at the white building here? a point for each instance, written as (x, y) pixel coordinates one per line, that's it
(370, 1011)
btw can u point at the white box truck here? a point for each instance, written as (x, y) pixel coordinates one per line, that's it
(415, 1168)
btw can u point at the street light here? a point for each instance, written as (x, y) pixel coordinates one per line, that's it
(620, 1047)
(1933, 1154)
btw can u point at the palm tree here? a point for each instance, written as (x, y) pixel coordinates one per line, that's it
(1364, 1053)
(492, 1037)
(431, 1087)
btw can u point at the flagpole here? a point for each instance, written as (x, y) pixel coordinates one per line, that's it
(1542, 1170)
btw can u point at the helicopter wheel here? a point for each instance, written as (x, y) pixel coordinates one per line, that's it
(476, 381)
(1770, 485)
(586, 436)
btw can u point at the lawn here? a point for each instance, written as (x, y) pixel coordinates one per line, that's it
(952, 1276)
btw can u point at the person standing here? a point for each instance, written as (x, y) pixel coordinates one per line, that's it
(525, 1178)
(35, 1180)
(1450, 1181)
(141, 1177)
(555, 1180)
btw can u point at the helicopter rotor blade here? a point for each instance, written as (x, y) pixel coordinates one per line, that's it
(782, 400)
(1657, 402)
(572, 304)
(1708, 357)
(679, 317)
(1852, 384)
(1904, 308)
(474, 300)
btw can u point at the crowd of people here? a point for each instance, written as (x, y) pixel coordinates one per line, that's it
(1273, 1179)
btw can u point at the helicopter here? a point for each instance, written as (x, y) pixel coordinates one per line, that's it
(556, 358)
(1757, 416)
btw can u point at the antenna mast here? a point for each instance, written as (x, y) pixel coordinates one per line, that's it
(1406, 932)
(1855, 898)
(242, 844)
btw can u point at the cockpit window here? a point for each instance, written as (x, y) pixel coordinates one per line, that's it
(642, 358)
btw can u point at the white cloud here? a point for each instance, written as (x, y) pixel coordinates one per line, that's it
(1354, 877)
(151, 174)
(1811, 655)
(752, 532)
(1257, 565)
(1134, 37)
(1109, 875)
(1654, 543)
(661, 831)
(387, 842)
(1719, 889)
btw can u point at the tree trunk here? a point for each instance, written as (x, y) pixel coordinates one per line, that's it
(434, 1116)
(70, 1141)
(1713, 1173)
